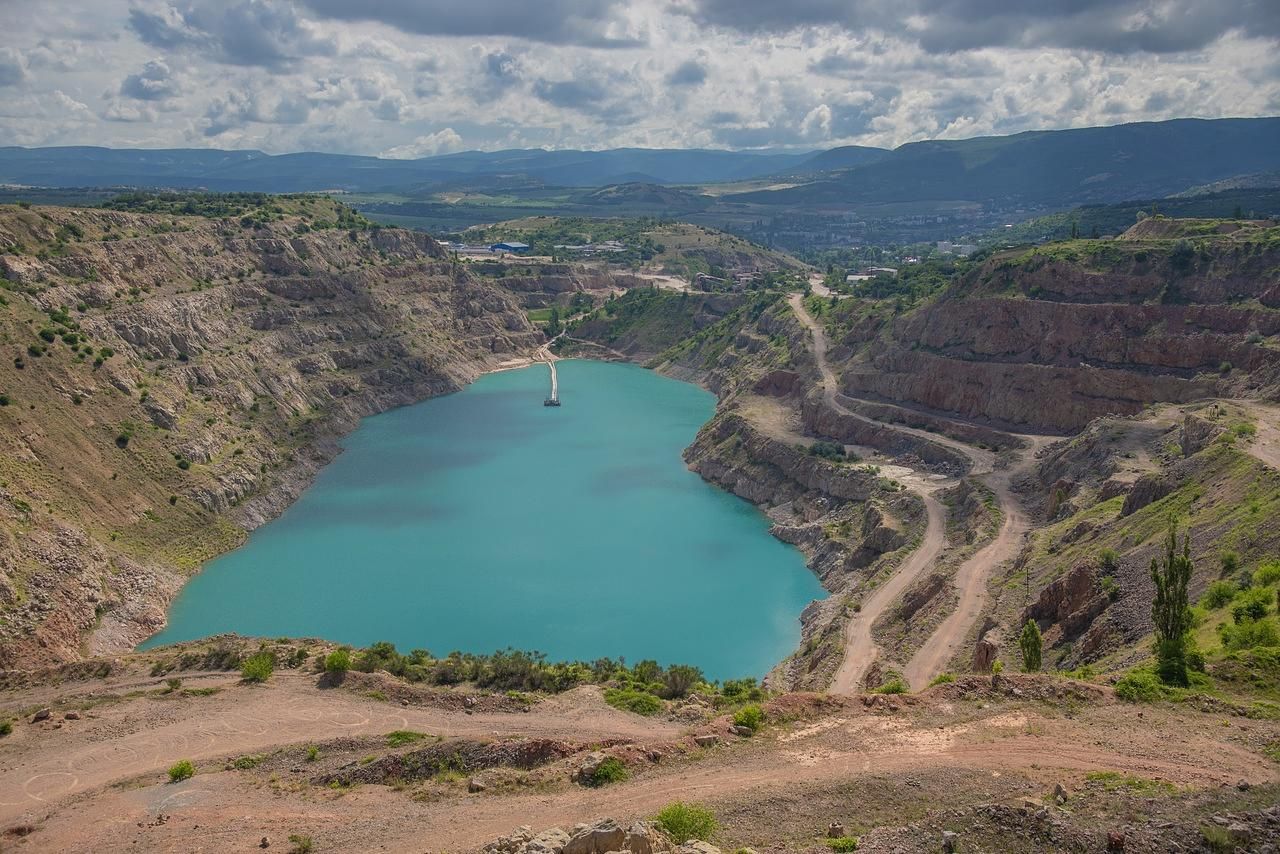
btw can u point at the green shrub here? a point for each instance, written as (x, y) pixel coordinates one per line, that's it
(1219, 594)
(1109, 587)
(743, 690)
(258, 667)
(301, 844)
(313, 753)
(401, 737)
(631, 700)
(1267, 574)
(680, 679)
(1250, 634)
(609, 771)
(1217, 839)
(827, 450)
(843, 843)
(1109, 560)
(244, 763)
(338, 661)
(942, 679)
(1251, 605)
(4, 400)
(1140, 686)
(6, 727)
(684, 822)
(181, 770)
(893, 686)
(750, 716)
(1230, 562)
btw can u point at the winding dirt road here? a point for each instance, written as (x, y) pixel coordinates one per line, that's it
(971, 585)
(860, 650)
(973, 575)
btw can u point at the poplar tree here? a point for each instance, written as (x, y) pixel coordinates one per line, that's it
(1170, 610)
(1031, 644)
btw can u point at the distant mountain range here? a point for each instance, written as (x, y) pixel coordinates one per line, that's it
(1039, 169)
(1045, 168)
(84, 166)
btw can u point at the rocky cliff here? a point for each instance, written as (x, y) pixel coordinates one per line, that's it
(1053, 337)
(172, 381)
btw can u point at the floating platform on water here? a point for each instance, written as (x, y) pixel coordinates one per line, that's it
(551, 401)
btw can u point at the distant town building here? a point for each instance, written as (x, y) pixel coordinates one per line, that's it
(946, 247)
(607, 246)
(510, 246)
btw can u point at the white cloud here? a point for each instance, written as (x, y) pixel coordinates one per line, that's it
(441, 142)
(421, 77)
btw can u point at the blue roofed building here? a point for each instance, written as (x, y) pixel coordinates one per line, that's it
(512, 247)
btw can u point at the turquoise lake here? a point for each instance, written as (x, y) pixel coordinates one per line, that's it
(484, 520)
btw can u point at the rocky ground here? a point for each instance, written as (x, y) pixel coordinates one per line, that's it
(1011, 763)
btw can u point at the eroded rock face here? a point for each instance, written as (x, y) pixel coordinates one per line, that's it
(1146, 490)
(1070, 604)
(732, 453)
(1196, 434)
(778, 383)
(1053, 343)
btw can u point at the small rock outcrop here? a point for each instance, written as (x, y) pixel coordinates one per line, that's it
(1072, 602)
(1196, 434)
(605, 836)
(1146, 490)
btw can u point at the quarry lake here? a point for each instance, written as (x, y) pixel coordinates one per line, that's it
(484, 520)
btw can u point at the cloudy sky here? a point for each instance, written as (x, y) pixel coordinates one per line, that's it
(407, 78)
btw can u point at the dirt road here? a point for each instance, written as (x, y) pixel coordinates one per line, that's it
(1266, 443)
(860, 648)
(150, 734)
(973, 575)
(97, 784)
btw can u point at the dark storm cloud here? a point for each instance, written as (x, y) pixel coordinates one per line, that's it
(690, 73)
(153, 83)
(943, 26)
(265, 33)
(583, 22)
(498, 72)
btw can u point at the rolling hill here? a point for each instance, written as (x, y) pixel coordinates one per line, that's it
(1050, 168)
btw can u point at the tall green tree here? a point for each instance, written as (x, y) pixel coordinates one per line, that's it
(1032, 644)
(1170, 610)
